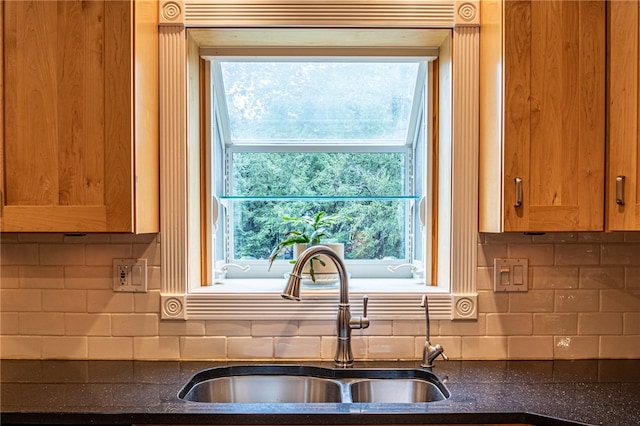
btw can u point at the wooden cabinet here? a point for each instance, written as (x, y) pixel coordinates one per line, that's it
(623, 115)
(542, 115)
(80, 116)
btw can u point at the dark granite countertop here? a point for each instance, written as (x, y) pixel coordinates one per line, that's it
(595, 392)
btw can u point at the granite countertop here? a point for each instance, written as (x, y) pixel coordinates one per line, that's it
(595, 392)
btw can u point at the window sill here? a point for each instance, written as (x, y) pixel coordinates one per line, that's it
(259, 299)
(356, 286)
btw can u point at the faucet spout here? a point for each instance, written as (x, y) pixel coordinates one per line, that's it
(344, 354)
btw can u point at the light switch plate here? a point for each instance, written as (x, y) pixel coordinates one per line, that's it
(510, 275)
(130, 275)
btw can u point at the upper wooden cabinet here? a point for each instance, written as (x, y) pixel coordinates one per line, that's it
(542, 115)
(623, 115)
(80, 116)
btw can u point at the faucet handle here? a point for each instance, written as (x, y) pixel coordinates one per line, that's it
(430, 354)
(365, 303)
(363, 321)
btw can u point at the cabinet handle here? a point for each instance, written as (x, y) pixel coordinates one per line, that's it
(620, 190)
(518, 192)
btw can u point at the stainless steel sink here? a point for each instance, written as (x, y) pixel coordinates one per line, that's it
(265, 389)
(254, 384)
(396, 391)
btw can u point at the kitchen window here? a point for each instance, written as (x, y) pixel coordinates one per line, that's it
(293, 136)
(198, 171)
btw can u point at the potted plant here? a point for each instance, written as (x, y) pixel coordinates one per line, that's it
(310, 230)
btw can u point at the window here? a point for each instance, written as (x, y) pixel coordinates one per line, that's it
(294, 136)
(187, 132)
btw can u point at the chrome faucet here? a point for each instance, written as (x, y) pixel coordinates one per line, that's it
(430, 352)
(344, 355)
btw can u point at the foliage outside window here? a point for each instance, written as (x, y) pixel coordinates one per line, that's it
(306, 135)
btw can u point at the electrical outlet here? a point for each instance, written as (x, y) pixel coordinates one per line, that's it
(130, 275)
(510, 275)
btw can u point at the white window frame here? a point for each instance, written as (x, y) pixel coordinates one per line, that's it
(373, 268)
(181, 256)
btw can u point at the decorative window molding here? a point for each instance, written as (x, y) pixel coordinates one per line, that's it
(180, 255)
(314, 13)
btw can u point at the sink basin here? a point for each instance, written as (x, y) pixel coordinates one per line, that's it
(265, 389)
(395, 390)
(256, 384)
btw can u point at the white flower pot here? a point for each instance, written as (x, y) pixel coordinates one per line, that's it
(326, 274)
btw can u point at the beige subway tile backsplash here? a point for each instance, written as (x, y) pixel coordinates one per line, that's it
(509, 324)
(9, 323)
(87, 324)
(9, 276)
(41, 323)
(530, 347)
(108, 301)
(156, 348)
(620, 254)
(631, 323)
(21, 346)
(64, 347)
(554, 324)
(632, 277)
(250, 347)
(484, 347)
(538, 254)
(41, 277)
(64, 300)
(619, 347)
(134, 325)
(19, 254)
(601, 277)
(88, 277)
(203, 348)
(56, 301)
(555, 277)
(577, 300)
(391, 347)
(274, 328)
(576, 347)
(110, 347)
(23, 300)
(532, 301)
(299, 347)
(600, 323)
(577, 254)
(62, 254)
(620, 300)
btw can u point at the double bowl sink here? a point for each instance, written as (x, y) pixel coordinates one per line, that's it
(259, 384)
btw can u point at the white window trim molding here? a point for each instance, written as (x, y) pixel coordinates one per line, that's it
(180, 255)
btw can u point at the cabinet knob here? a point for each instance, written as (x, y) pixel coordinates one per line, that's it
(620, 190)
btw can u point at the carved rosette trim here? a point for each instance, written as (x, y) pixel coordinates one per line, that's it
(172, 306)
(465, 306)
(171, 12)
(467, 13)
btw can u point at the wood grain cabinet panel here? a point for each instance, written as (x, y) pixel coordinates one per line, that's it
(542, 115)
(623, 115)
(80, 113)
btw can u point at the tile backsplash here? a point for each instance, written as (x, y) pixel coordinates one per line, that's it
(56, 301)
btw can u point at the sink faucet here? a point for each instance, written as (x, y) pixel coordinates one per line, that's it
(430, 352)
(344, 355)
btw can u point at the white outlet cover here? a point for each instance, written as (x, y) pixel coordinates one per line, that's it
(510, 275)
(135, 275)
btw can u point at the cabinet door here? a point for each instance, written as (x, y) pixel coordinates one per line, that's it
(554, 98)
(623, 177)
(68, 136)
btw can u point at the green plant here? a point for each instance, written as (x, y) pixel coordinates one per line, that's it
(308, 229)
